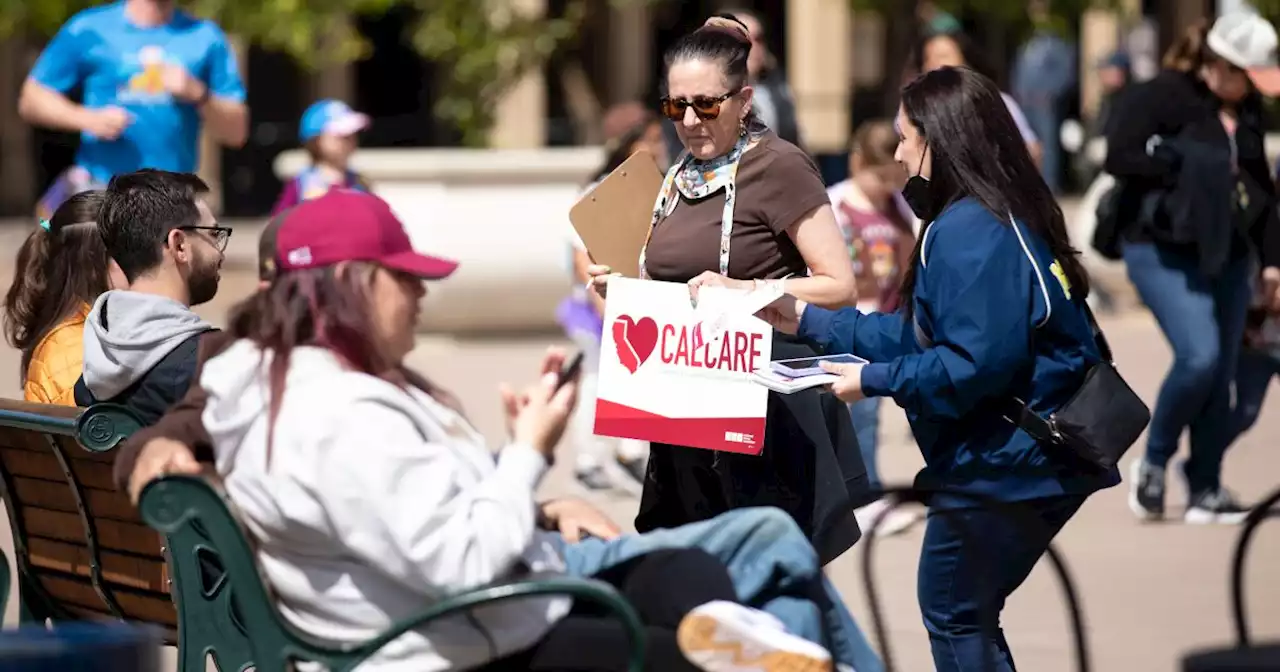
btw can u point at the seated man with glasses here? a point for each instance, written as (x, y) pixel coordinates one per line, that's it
(141, 344)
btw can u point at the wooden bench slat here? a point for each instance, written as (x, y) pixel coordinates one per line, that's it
(58, 497)
(43, 465)
(137, 606)
(21, 439)
(76, 452)
(117, 568)
(53, 411)
(113, 535)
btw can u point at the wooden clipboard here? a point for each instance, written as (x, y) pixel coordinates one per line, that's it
(613, 219)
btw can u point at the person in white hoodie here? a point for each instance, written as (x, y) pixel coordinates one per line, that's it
(369, 495)
(141, 343)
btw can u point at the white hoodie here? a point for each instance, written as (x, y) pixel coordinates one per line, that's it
(377, 502)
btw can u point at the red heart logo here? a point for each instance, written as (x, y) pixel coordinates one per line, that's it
(634, 340)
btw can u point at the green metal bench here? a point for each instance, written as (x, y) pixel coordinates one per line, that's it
(195, 519)
(80, 549)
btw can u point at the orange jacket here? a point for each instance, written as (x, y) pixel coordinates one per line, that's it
(57, 362)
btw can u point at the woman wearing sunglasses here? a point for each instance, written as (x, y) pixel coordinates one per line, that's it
(742, 205)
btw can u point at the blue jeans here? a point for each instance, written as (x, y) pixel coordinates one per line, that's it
(1203, 319)
(1253, 376)
(865, 416)
(773, 568)
(1044, 121)
(972, 561)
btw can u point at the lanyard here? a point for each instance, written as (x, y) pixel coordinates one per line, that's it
(668, 199)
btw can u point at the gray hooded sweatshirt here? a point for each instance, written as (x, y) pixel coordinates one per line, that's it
(127, 334)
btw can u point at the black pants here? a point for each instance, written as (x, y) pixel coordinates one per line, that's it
(663, 586)
(811, 467)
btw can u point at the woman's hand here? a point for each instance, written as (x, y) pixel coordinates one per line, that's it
(710, 279)
(599, 278)
(849, 388)
(575, 518)
(784, 314)
(160, 457)
(537, 415)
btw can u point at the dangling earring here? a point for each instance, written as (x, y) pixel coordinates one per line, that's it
(742, 127)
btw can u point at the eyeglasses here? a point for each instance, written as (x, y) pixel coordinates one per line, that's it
(706, 107)
(219, 235)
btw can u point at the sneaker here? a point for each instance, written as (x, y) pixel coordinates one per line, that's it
(728, 637)
(594, 478)
(1146, 490)
(1215, 506)
(884, 520)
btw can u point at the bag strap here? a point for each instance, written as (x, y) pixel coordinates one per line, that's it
(1016, 410)
(1028, 420)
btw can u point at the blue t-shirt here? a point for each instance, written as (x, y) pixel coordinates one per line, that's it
(120, 64)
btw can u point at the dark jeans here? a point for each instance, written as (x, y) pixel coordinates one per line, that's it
(865, 416)
(663, 586)
(1203, 319)
(1253, 376)
(972, 560)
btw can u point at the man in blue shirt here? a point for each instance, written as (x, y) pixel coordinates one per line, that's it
(151, 75)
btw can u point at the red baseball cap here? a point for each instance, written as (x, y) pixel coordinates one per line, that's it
(350, 225)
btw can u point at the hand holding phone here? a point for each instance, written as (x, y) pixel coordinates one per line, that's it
(570, 371)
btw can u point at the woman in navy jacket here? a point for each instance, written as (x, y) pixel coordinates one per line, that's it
(996, 313)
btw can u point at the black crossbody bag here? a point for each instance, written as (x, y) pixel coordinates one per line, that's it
(1100, 422)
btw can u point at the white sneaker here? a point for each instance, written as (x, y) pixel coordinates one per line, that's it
(885, 521)
(728, 637)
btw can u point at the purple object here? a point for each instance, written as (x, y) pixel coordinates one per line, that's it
(578, 316)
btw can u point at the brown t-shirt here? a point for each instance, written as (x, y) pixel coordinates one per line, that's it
(778, 185)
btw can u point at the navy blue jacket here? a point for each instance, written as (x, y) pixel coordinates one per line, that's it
(1000, 327)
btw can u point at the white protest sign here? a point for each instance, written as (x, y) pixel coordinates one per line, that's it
(661, 381)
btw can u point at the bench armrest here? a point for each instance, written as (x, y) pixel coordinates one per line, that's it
(588, 590)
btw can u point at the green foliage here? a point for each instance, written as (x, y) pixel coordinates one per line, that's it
(482, 47)
(1007, 11)
(487, 52)
(1267, 8)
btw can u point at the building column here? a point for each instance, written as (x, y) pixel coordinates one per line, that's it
(18, 186)
(819, 68)
(520, 119)
(630, 52)
(335, 81)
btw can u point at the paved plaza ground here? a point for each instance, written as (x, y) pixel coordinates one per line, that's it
(1150, 592)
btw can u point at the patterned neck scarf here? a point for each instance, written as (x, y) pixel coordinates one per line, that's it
(697, 178)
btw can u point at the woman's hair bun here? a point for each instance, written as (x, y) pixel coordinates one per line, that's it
(730, 23)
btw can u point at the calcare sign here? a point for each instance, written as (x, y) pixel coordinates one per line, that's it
(668, 377)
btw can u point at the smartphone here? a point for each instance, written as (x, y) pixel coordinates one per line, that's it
(570, 371)
(808, 366)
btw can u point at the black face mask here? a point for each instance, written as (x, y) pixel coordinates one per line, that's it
(918, 193)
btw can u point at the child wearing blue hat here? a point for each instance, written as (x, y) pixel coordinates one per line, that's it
(328, 133)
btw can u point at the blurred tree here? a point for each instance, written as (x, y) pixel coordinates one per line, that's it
(1012, 11)
(1267, 8)
(484, 45)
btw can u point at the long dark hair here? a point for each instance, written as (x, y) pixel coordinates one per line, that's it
(978, 153)
(723, 39)
(58, 271)
(325, 308)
